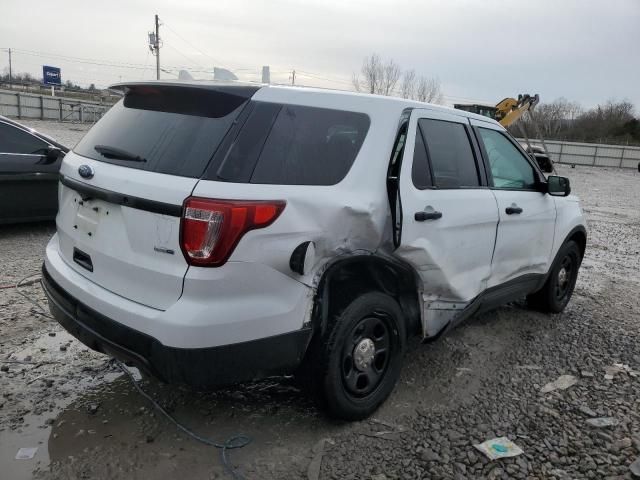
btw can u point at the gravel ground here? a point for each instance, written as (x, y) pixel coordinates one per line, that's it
(482, 381)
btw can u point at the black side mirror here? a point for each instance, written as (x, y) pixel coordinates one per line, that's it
(53, 153)
(558, 186)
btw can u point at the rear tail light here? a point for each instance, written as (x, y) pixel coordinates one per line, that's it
(211, 229)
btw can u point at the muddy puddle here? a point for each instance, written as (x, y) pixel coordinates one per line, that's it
(84, 415)
(113, 431)
(41, 377)
(88, 421)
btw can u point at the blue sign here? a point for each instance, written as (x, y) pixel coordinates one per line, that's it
(51, 75)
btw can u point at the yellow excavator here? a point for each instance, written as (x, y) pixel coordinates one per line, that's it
(507, 112)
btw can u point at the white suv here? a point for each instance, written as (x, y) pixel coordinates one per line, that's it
(214, 234)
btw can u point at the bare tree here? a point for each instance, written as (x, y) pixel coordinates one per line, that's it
(423, 89)
(428, 90)
(603, 121)
(561, 119)
(390, 76)
(381, 77)
(551, 116)
(574, 110)
(371, 71)
(408, 86)
(377, 76)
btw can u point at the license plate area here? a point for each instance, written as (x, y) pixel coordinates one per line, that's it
(87, 217)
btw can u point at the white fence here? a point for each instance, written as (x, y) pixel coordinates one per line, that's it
(29, 105)
(596, 154)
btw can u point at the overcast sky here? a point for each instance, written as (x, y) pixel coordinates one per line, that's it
(481, 50)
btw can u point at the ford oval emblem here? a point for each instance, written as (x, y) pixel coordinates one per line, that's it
(85, 171)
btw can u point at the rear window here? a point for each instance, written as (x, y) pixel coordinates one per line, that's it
(165, 129)
(292, 145)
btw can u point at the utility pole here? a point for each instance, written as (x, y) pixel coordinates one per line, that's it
(10, 72)
(154, 45)
(157, 46)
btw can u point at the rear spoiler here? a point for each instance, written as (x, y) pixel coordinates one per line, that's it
(185, 97)
(237, 89)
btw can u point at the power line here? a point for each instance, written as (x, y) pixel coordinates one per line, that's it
(104, 63)
(84, 75)
(320, 77)
(169, 72)
(194, 46)
(183, 55)
(71, 58)
(91, 61)
(250, 71)
(395, 90)
(146, 63)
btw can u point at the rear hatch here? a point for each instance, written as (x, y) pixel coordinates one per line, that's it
(123, 186)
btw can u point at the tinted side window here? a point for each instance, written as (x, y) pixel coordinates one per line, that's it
(14, 140)
(509, 167)
(452, 161)
(420, 172)
(310, 146)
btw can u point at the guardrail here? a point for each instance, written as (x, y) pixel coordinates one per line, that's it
(594, 154)
(43, 107)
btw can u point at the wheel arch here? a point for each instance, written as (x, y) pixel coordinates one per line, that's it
(345, 279)
(579, 235)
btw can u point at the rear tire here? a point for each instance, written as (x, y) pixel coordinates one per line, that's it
(557, 290)
(360, 361)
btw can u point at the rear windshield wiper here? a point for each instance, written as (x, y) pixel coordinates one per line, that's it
(118, 154)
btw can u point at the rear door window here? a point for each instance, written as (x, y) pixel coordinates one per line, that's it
(169, 129)
(293, 145)
(453, 163)
(14, 140)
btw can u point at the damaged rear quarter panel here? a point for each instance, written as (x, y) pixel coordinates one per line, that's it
(351, 217)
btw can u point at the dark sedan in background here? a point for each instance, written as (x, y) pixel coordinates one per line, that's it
(29, 165)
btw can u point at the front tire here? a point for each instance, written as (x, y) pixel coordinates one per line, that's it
(557, 290)
(361, 360)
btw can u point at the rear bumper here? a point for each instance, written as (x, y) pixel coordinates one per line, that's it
(198, 367)
(235, 303)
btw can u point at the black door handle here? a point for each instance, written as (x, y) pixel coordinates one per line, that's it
(513, 209)
(422, 216)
